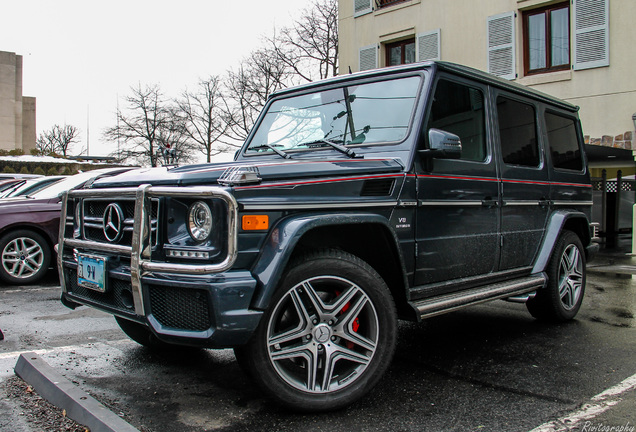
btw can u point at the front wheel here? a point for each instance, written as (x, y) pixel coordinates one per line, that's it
(562, 298)
(328, 335)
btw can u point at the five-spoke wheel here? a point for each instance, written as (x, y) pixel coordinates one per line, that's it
(562, 298)
(328, 335)
(25, 257)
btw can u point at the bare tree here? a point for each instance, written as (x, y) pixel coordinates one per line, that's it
(247, 90)
(305, 51)
(204, 110)
(174, 146)
(309, 47)
(146, 127)
(57, 140)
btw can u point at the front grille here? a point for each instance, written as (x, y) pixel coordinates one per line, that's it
(118, 293)
(179, 308)
(93, 220)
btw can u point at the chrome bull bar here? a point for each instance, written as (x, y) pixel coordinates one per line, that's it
(140, 249)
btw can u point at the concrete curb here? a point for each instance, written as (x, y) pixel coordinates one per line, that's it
(62, 393)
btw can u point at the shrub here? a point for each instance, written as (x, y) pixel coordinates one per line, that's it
(16, 152)
(9, 170)
(39, 171)
(24, 170)
(52, 171)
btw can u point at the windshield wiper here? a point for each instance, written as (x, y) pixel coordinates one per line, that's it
(340, 148)
(274, 149)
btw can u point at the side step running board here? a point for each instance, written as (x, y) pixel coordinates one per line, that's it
(450, 302)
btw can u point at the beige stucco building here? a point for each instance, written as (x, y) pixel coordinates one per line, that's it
(581, 51)
(17, 112)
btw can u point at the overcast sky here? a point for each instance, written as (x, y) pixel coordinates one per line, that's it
(81, 55)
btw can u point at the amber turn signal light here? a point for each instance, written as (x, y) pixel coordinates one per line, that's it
(255, 222)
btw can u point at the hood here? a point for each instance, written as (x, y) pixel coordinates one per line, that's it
(27, 205)
(269, 170)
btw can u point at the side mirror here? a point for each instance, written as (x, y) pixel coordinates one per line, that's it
(442, 145)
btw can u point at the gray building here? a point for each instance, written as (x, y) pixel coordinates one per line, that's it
(17, 112)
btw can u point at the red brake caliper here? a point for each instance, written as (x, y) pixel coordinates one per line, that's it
(356, 322)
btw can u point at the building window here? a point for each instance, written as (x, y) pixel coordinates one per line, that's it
(385, 3)
(546, 39)
(402, 52)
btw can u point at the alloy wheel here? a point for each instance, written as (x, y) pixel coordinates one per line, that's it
(22, 257)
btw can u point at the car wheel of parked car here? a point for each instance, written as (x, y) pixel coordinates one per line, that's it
(25, 257)
(328, 335)
(561, 299)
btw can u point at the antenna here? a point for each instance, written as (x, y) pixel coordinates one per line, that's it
(88, 130)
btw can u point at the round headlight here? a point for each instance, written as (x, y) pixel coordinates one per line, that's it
(199, 221)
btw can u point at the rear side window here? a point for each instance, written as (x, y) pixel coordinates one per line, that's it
(518, 132)
(564, 145)
(459, 109)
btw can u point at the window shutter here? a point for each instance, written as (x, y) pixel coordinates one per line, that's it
(501, 46)
(368, 58)
(428, 46)
(591, 34)
(361, 7)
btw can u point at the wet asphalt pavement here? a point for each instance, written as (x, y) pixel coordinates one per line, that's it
(486, 368)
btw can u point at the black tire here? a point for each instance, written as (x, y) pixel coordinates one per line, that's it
(328, 335)
(25, 257)
(561, 299)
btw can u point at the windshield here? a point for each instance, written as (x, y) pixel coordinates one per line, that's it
(372, 113)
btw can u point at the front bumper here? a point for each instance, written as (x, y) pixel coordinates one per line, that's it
(209, 311)
(201, 304)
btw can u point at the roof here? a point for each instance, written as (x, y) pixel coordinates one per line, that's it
(443, 66)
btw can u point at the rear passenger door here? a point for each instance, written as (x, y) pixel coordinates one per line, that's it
(524, 176)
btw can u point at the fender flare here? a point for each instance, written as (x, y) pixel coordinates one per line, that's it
(557, 221)
(282, 241)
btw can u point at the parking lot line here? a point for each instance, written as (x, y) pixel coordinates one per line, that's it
(598, 405)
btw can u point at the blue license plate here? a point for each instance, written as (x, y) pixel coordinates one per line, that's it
(91, 272)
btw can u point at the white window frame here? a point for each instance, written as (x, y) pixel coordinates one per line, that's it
(588, 35)
(369, 48)
(503, 45)
(434, 35)
(359, 8)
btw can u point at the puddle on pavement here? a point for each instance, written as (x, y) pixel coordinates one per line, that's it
(610, 300)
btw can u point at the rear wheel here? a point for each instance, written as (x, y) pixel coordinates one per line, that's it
(562, 298)
(328, 336)
(25, 257)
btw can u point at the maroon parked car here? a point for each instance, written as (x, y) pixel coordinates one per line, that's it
(29, 228)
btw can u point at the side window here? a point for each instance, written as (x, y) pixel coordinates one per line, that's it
(518, 132)
(459, 109)
(564, 145)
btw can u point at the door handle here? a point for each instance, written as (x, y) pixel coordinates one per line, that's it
(543, 203)
(489, 202)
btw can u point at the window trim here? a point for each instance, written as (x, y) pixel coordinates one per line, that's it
(402, 43)
(548, 33)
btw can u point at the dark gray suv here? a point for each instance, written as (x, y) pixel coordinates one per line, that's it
(405, 193)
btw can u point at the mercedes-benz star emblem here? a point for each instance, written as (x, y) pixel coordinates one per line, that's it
(322, 333)
(113, 220)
